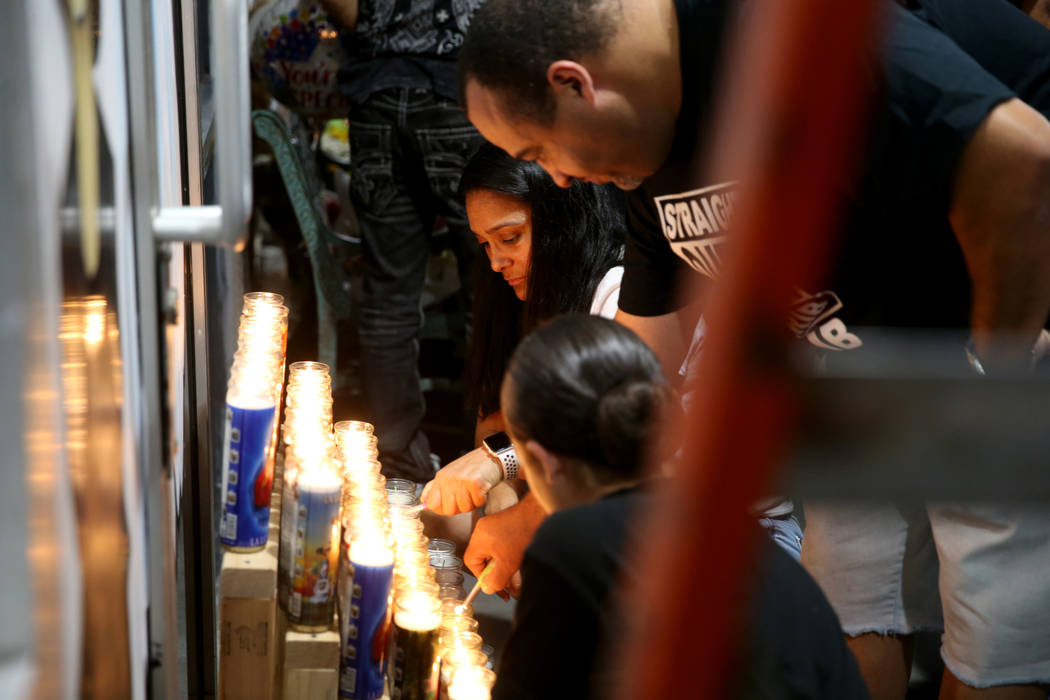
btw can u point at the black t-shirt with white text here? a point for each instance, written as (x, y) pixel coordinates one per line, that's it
(944, 67)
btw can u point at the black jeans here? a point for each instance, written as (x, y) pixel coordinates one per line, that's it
(408, 150)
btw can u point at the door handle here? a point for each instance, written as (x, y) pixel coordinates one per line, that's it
(225, 223)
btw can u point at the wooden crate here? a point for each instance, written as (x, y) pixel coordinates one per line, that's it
(248, 650)
(248, 625)
(308, 663)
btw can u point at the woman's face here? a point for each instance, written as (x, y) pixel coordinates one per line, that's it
(503, 226)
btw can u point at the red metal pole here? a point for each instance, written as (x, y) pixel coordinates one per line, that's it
(789, 125)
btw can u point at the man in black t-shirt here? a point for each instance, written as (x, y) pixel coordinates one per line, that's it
(945, 227)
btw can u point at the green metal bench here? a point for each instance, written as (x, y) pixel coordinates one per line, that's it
(326, 251)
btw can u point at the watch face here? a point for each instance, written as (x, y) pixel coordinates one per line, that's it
(498, 441)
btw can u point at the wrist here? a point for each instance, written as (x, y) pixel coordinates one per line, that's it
(499, 448)
(492, 471)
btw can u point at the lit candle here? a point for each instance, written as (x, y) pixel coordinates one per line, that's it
(459, 639)
(245, 523)
(471, 683)
(452, 659)
(416, 620)
(364, 620)
(458, 623)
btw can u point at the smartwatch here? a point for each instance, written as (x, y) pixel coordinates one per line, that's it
(498, 446)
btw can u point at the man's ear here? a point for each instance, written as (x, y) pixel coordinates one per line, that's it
(569, 77)
(549, 462)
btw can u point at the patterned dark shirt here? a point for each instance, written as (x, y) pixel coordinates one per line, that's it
(406, 43)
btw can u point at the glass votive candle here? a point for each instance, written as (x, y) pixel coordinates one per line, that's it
(459, 623)
(410, 555)
(308, 367)
(354, 427)
(411, 545)
(439, 546)
(448, 569)
(253, 300)
(471, 683)
(452, 592)
(490, 652)
(403, 588)
(416, 620)
(416, 578)
(453, 639)
(454, 659)
(455, 607)
(401, 492)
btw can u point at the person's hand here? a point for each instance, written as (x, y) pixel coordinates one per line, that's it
(501, 497)
(502, 538)
(514, 589)
(462, 485)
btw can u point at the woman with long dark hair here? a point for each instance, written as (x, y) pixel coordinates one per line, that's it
(547, 250)
(583, 400)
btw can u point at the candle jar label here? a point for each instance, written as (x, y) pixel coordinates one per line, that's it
(246, 485)
(289, 513)
(364, 630)
(315, 554)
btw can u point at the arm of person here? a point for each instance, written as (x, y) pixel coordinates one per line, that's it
(487, 425)
(464, 483)
(503, 495)
(502, 538)
(1000, 212)
(343, 12)
(667, 335)
(1039, 10)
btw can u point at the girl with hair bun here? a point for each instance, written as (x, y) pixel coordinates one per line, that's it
(583, 398)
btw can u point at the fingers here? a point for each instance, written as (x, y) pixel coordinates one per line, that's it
(475, 557)
(499, 577)
(456, 488)
(448, 502)
(515, 585)
(478, 496)
(464, 502)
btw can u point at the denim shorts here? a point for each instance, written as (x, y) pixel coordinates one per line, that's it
(786, 532)
(979, 572)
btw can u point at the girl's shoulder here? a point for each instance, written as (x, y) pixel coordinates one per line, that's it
(607, 293)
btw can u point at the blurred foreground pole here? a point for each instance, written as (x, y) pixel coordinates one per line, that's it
(790, 125)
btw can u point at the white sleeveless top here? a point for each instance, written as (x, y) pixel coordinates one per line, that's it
(607, 294)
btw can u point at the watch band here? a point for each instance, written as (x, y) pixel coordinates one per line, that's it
(508, 459)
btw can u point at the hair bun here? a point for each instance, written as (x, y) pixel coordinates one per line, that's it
(625, 419)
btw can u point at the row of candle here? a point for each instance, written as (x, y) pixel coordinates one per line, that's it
(311, 501)
(433, 633)
(367, 571)
(336, 500)
(432, 581)
(253, 396)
